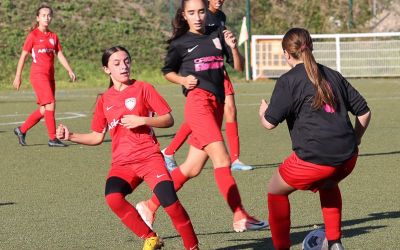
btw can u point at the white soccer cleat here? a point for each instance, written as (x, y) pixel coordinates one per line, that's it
(249, 223)
(170, 162)
(147, 215)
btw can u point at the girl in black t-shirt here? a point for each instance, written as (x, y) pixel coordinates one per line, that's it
(315, 101)
(195, 61)
(215, 17)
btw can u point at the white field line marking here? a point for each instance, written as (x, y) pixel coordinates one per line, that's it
(70, 115)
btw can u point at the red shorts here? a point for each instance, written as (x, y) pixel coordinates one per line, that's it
(44, 89)
(151, 170)
(228, 85)
(204, 116)
(305, 175)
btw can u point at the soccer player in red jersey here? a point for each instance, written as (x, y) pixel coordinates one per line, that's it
(195, 59)
(215, 17)
(315, 101)
(127, 111)
(43, 44)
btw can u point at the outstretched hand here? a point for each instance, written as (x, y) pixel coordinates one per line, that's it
(62, 132)
(17, 83)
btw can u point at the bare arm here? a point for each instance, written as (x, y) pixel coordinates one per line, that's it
(261, 114)
(189, 82)
(65, 64)
(20, 66)
(162, 121)
(361, 124)
(91, 139)
(231, 41)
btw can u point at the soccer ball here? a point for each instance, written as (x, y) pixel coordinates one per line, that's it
(315, 240)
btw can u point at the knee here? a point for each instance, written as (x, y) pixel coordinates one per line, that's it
(165, 193)
(222, 160)
(115, 201)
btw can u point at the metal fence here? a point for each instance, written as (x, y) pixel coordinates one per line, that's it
(354, 55)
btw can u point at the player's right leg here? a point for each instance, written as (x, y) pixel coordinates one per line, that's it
(118, 185)
(226, 183)
(178, 140)
(31, 121)
(190, 168)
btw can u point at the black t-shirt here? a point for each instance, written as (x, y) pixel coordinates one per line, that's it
(215, 19)
(201, 56)
(323, 136)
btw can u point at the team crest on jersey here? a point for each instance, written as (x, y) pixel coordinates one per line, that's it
(217, 43)
(130, 103)
(51, 40)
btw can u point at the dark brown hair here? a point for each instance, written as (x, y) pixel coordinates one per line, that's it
(35, 24)
(298, 43)
(179, 24)
(107, 54)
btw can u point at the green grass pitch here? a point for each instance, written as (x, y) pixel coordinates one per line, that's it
(52, 198)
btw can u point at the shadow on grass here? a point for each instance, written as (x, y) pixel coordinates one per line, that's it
(384, 153)
(297, 237)
(7, 203)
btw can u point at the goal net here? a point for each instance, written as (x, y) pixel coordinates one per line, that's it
(354, 55)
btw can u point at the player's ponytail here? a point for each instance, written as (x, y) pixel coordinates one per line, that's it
(107, 54)
(35, 23)
(298, 43)
(179, 24)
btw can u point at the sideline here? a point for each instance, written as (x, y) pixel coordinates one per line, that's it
(69, 115)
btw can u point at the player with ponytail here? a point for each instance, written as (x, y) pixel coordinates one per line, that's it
(315, 101)
(43, 45)
(195, 60)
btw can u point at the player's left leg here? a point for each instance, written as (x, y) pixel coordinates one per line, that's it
(50, 121)
(169, 201)
(232, 133)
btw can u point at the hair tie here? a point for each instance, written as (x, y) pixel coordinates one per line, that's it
(303, 47)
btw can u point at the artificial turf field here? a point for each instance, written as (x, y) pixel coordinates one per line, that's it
(52, 198)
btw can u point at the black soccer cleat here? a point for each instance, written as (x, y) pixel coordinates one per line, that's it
(21, 136)
(56, 143)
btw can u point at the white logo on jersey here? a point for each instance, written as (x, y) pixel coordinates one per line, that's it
(159, 176)
(113, 124)
(130, 103)
(51, 40)
(41, 40)
(108, 108)
(191, 49)
(217, 43)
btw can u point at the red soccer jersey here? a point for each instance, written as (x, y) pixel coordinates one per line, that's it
(129, 145)
(42, 47)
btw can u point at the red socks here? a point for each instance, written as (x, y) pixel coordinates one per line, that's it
(50, 123)
(31, 121)
(179, 138)
(331, 204)
(228, 188)
(178, 178)
(128, 215)
(232, 134)
(182, 224)
(279, 220)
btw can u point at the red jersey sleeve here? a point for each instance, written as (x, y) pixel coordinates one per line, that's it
(28, 45)
(155, 102)
(58, 44)
(99, 121)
